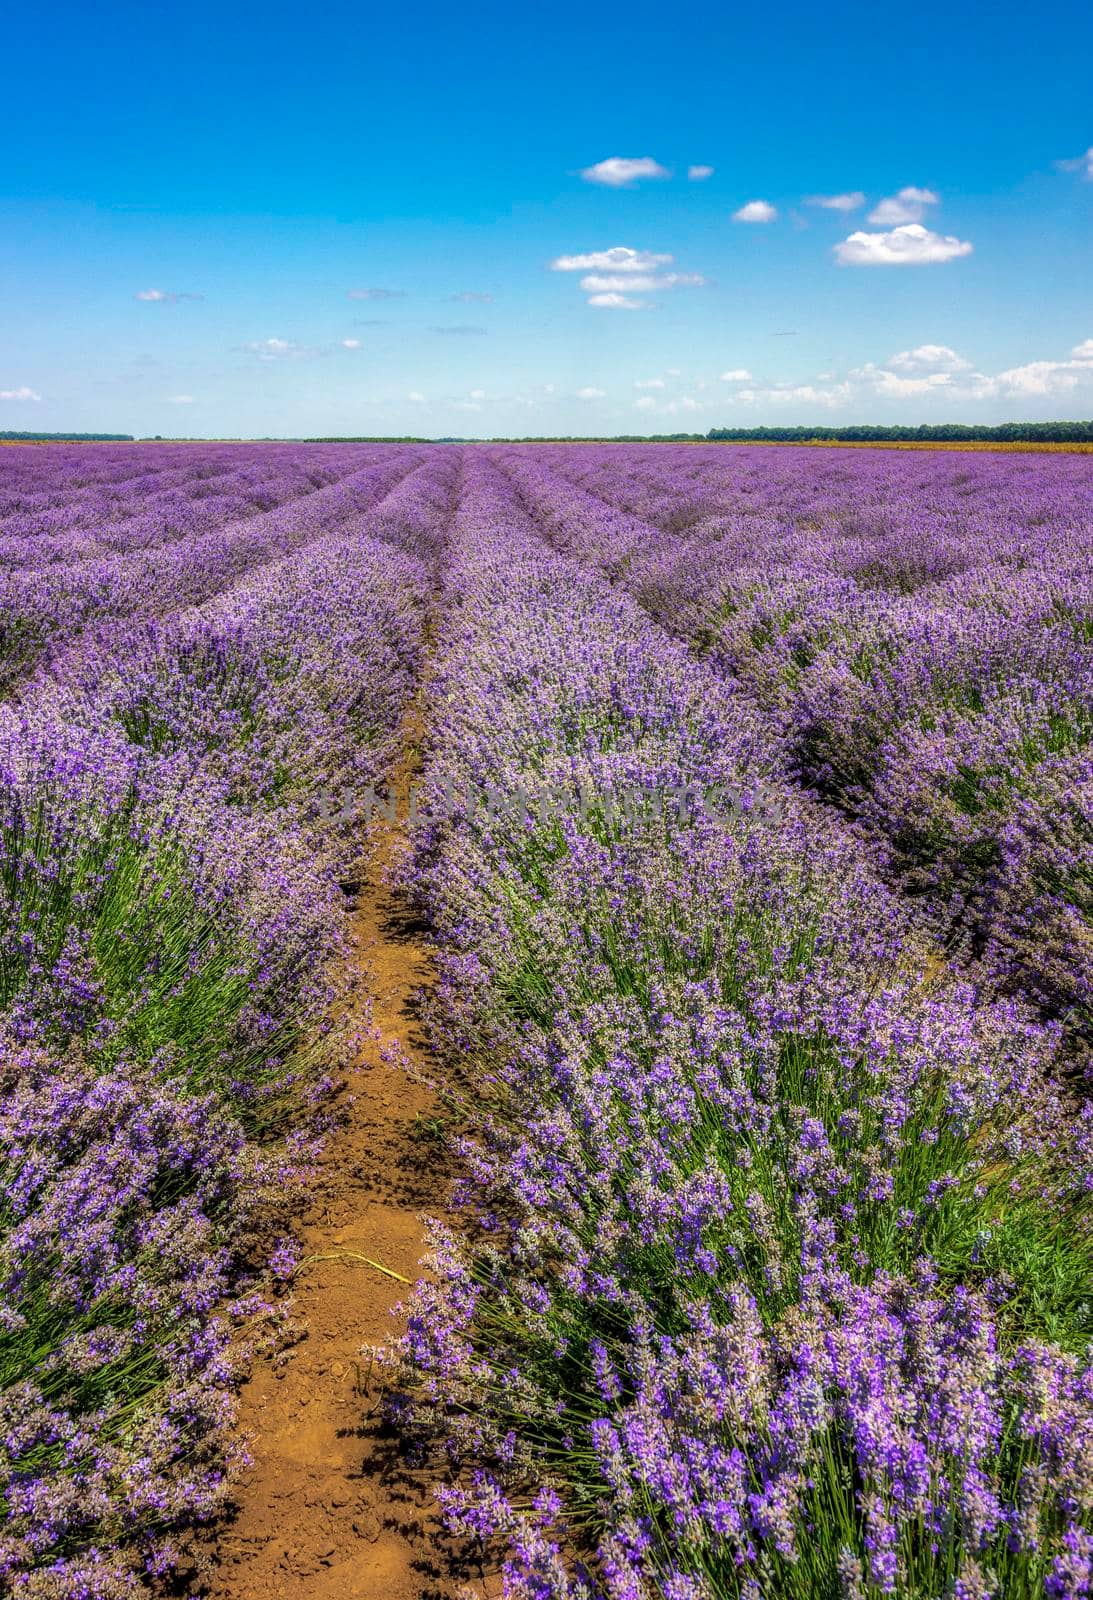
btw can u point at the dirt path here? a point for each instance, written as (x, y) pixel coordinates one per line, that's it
(327, 1512)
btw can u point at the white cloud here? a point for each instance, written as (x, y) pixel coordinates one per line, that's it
(163, 296)
(894, 386)
(909, 205)
(699, 174)
(911, 245)
(478, 394)
(468, 405)
(683, 403)
(351, 344)
(616, 302)
(1050, 377)
(837, 202)
(796, 394)
(755, 211)
(22, 393)
(590, 392)
(930, 369)
(616, 276)
(619, 258)
(648, 383)
(928, 358)
(180, 399)
(416, 398)
(375, 294)
(1039, 377)
(273, 349)
(1082, 164)
(624, 283)
(736, 375)
(460, 330)
(470, 297)
(618, 172)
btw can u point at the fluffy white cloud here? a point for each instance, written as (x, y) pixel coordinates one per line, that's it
(22, 393)
(1050, 377)
(909, 205)
(616, 302)
(1039, 377)
(478, 394)
(351, 344)
(648, 383)
(755, 211)
(736, 375)
(837, 202)
(180, 399)
(930, 369)
(375, 294)
(699, 174)
(896, 387)
(416, 398)
(619, 258)
(615, 277)
(163, 296)
(928, 358)
(590, 392)
(911, 245)
(646, 403)
(618, 172)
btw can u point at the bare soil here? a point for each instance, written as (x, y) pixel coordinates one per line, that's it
(330, 1510)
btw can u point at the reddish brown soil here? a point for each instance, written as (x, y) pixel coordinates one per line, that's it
(329, 1510)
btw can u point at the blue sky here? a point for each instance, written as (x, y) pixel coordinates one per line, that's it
(266, 220)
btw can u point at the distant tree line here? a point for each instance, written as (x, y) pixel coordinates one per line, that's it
(941, 432)
(76, 438)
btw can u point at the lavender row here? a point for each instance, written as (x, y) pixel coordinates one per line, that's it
(158, 520)
(43, 609)
(171, 962)
(919, 631)
(66, 489)
(774, 1280)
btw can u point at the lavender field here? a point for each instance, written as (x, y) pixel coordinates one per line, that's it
(754, 846)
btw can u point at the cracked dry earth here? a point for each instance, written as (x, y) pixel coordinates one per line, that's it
(330, 1510)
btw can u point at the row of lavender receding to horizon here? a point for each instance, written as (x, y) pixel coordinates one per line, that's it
(172, 962)
(771, 1274)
